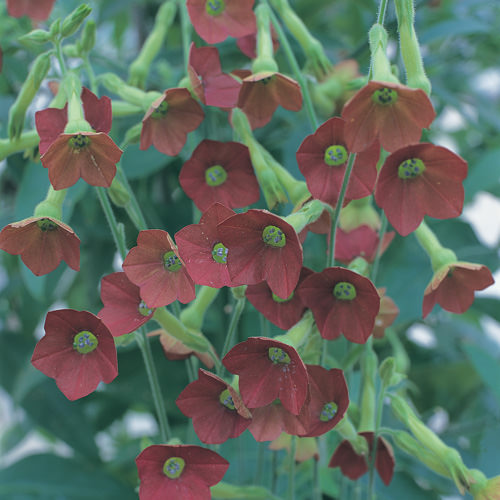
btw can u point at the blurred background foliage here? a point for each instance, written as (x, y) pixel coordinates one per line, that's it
(455, 375)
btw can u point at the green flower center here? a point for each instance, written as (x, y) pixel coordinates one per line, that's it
(173, 467)
(171, 261)
(219, 253)
(215, 176)
(335, 155)
(226, 399)
(385, 96)
(78, 142)
(46, 225)
(279, 299)
(411, 168)
(144, 310)
(344, 290)
(277, 355)
(215, 7)
(85, 342)
(274, 236)
(328, 412)
(160, 111)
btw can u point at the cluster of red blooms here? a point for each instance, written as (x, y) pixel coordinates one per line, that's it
(276, 392)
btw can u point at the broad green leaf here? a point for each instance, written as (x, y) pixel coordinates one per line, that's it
(484, 174)
(50, 477)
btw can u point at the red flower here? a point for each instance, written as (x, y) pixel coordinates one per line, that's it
(262, 246)
(360, 242)
(263, 92)
(284, 313)
(209, 83)
(168, 121)
(123, 310)
(453, 286)
(215, 20)
(342, 302)
(392, 113)
(178, 472)
(42, 243)
(268, 370)
(217, 410)
(354, 466)
(200, 248)
(175, 350)
(328, 402)
(220, 172)
(268, 422)
(155, 267)
(51, 122)
(419, 180)
(77, 350)
(322, 159)
(37, 10)
(386, 316)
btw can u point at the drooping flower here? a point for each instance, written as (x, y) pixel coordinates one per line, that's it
(284, 313)
(124, 311)
(328, 402)
(77, 350)
(209, 83)
(51, 122)
(261, 94)
(42, 242)
(322, 158)
(360, 242)
(386, 316)
(37, 10)
(155, 267)
(178, 471)
(217, 411)
(453, 286)
(220, 172)
(175, 350)
(354, 466)
(215, 20)
(342, 302)
(262, 247)
(392, 113)
(269, 421)
(418, 180)
(268, 370)
(201, 249)
(168, 121)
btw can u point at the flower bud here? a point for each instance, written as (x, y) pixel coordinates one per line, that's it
(88, 36)
(71, 24)
(369, 364)
(381, 68)
(118, 194)
(55, 29)
(36, 37)
(27, 93)
(389, 373)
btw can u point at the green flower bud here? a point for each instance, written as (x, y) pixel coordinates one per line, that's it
(55, 28)
(72, 22)
(30, 87)
(381, 68)
(36, 37)
(369, 364)
(389, 374)
(88, 36)
(118, 194)
(360, 265)
(71, 50)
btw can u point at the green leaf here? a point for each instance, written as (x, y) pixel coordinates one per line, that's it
(486, 365)
(483, 174)
(49, 477)
(137, 164)
(32, 190)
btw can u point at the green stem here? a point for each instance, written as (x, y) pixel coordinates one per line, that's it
(52, 205)
(133, 208)
(90, 73)
(291, 469)
(438, 254)
(311, 114)
(338, 208)
(233, 326)
(376, 261)
(147, 355)
(27, 140)
(59, 56)
(380, 20)
(116, 229)
(186, 28)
